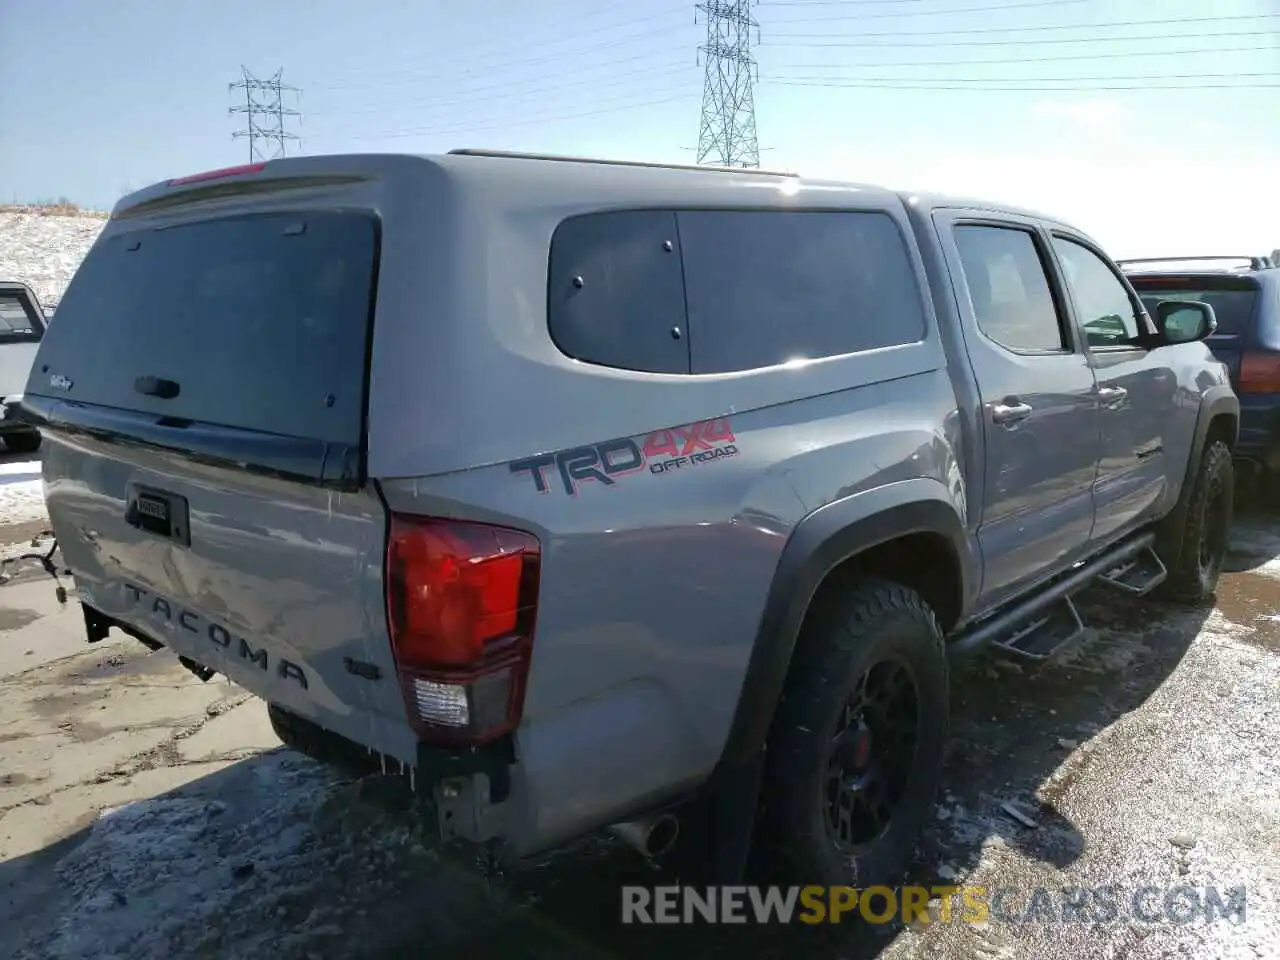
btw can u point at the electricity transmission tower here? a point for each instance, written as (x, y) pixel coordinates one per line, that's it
(727, 134)
(265, 114)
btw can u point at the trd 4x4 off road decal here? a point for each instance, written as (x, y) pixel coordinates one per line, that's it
(662, 451)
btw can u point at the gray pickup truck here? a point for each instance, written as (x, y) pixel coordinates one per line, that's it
(587, 494)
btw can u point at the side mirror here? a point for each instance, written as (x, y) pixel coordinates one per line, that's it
(1182, 321)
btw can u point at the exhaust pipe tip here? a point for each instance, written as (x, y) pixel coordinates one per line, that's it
(651, 836)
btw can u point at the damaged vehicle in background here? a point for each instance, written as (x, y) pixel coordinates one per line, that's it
(589, 493)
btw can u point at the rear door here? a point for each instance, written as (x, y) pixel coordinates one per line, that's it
(203, 394)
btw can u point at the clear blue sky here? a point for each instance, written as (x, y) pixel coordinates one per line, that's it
(100, 97)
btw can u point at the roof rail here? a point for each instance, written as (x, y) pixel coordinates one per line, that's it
(517, 155)
(1254, 263)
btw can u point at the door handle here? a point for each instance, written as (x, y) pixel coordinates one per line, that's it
(1010, 412)
(1112, 394)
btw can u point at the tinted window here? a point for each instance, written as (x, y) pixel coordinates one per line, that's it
(1012, 301)
(17, 323)
(261, 321)
(767, 287)
(1233, 308)
(615, 294)
(1105, 309)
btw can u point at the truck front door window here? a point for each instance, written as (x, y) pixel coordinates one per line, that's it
(1107, 313)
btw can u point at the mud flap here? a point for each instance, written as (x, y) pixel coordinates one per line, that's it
(717, 828)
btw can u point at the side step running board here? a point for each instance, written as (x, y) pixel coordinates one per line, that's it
(1138, 575)
(1006, 627)
(1045, 634)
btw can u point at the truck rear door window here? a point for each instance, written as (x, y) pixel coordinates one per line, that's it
(1009, 288)
(261, 321)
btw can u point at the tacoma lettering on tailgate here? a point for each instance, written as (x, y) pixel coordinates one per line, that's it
(158, 608)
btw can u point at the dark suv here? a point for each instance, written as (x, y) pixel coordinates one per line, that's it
(1245, 295)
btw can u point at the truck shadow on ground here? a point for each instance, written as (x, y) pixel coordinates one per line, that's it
(279, 858)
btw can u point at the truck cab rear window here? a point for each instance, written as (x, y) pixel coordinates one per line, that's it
(261, 322)
(719, 291)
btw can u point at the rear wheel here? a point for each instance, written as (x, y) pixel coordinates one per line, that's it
(856, 748)
(22, 442)
(1210, 509)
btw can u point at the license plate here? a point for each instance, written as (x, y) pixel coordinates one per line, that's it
(153, 507)
(159, 513)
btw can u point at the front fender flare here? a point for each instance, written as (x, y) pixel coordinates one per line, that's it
(1216, 401)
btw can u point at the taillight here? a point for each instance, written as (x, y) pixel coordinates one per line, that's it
(1260, 373)
(239, 171)
(461, 603)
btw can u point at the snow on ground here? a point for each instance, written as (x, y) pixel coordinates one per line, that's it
(21, 492)
(43, 246)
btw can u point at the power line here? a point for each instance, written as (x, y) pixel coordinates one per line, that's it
(868, 3)
(898, 14)
(578, 42)
(1046, 28)
(1123, 54)
(503, 91)
(727, 130)
(974, 86)
(857, 81)
(677, 93)
(265, 115)
(931, 44)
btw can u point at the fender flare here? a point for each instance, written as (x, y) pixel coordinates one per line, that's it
(820, 542)
(1216, 401)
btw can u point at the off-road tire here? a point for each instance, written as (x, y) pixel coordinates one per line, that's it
(1193, 580)
(22, 442)
(854, 628)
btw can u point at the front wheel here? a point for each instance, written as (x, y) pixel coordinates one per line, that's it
(856, 748)
(1210, 509)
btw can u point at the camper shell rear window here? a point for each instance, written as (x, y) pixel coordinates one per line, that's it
(252, 324)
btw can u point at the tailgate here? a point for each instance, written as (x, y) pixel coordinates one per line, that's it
(203, 398)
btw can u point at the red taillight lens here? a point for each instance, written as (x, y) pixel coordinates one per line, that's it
(239, 171)
(461, 601)
(1260, 373)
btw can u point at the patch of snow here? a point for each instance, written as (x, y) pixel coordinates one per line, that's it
(21, 492)
(44, 250)
(155, 876)
(272, 857)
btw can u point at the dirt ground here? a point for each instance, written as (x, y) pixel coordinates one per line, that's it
(144, 814)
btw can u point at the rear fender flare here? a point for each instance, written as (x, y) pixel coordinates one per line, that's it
(820, 542)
